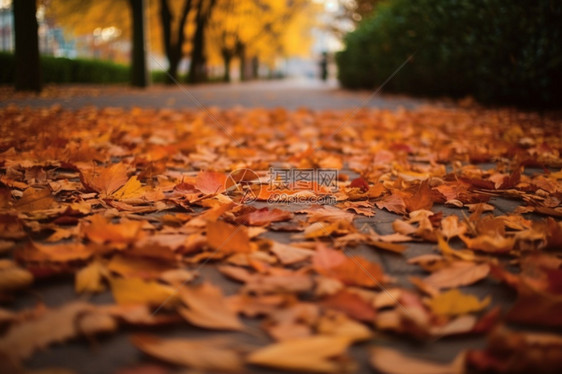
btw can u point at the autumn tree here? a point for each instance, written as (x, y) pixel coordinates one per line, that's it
(84, 16)
(173, 42)
(356, 10)
(254, 30)
(197, 67)
(139, 71)
(28, 67)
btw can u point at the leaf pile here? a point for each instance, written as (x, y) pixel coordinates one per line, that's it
(141, 203)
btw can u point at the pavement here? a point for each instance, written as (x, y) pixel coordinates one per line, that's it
(290, 94)
(115, 352)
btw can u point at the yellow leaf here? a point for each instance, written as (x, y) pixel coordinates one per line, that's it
(90, 278)
(207, 308)
(450, 252)
(197, 354)
(390, 361)
(310, 354)
(35, 199)
(228, 238)
(133, 189)
(137, 291)
(13, 277)
(454, 302)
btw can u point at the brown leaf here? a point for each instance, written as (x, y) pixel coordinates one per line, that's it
(132, 291)
(421, 199)
(104, 180)
(228, 238)
(350, 270)
(120, 235)
(52, 326)
(350, 304)
(210, 182)
(394, 203)
(206, 307)
(264, 217)
(390, 361)
(312, 354)
(458, 274)
(35, 199)
(12, 277)
(289, 254)
(210, 354)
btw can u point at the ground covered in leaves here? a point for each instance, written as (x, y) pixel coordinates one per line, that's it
(257, 240)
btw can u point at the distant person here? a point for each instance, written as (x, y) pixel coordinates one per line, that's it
(324, 66)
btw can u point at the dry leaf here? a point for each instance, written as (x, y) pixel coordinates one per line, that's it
(390, 361)
(227, 238)
(104, 180)
(206, 307)
(12, 277)
(454, 302)
(197, 354)
(131, 291)
(90, 278)
(319, 354)
(210, 182)
(52, 326)
(458, 274)
(35, 199)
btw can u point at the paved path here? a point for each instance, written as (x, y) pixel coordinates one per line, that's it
(115, 351)
(290, 94)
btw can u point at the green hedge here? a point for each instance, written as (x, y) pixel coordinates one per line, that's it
(66, 70)
(499, 51)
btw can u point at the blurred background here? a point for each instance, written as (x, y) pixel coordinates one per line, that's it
(497, 51)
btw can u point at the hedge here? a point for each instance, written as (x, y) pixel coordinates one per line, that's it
(498, 51)
(66, 70)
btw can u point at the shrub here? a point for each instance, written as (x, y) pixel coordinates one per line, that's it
(65, 70)
(499, 51)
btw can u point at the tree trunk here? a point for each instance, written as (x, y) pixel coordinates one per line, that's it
(227, 58)
(241, 51)
(139, 72)
(197, 71)
(28, 64)
(172, 48)
(255, 67)
(197, 58)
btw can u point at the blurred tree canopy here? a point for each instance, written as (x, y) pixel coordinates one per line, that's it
(498, 51)
(251, 30)
(205, 30)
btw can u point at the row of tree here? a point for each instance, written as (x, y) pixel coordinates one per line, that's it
(251, 31)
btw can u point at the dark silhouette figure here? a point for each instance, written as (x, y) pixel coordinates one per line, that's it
(324, 66)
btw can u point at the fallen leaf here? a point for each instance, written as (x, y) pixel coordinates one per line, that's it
(350, 270)
(454, 302)
(458, 274)
(120, 235)
(210, 182)
(104, 180)
(206, 307)
(350, 304)
(312, 354)
(35, 199)
(13, 277)
(198, 354)
(264, 217)
(132, 291)
(390, 361)
(52, 326)
(227, 238)
(289, 254)
(90, 278)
